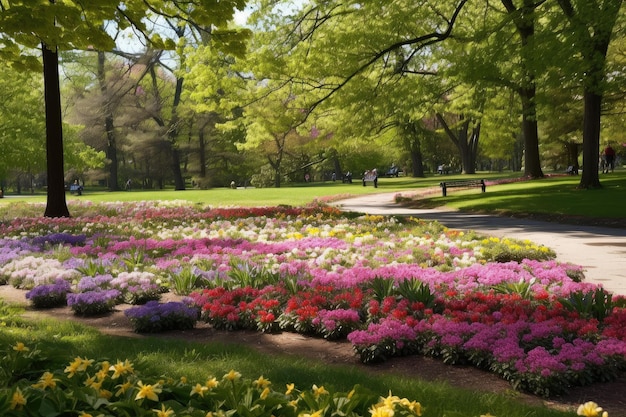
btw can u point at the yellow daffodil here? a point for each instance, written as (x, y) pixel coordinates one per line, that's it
(105, 393)
(163, 412)
(122, 388)
(319, 391)
(591, 409)
(211, 383)
(47, 380)
(198, 390)
(351, 393)
(148, 391)
(78, 365)
(83, 414)
(121, 369)
(265, 393)
(20, 347)
(290, 388)
(262, 382)
(183, 379)
(232, 375)
(381, 411)
(318, 413)
(93, 383)
(17, 400)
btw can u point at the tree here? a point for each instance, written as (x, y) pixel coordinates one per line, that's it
(79, 24)
(591, 25)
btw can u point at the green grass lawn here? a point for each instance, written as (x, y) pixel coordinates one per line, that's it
(553, 194)
(169, 357)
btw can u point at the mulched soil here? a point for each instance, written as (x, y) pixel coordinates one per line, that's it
(611, 396)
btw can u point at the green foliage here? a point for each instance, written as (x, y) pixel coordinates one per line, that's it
(596, 304)
(247, 275)
(185, 280)
(415, 290)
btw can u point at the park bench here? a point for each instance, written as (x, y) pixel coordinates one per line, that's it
(461, 184)
(76, 189)
(370, 176)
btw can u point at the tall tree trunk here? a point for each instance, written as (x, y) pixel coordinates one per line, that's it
(524, 19)
(109, 128)
(56, 205)
(179, 182)
(591, 140)
(202, 152)
(417, 161)
(532, 162)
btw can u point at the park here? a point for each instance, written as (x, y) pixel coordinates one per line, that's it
(174, 178)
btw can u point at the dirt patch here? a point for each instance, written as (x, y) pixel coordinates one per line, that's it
(609, 395)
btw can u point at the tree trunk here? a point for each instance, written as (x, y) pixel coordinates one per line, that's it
(591, 140)
(532, 162)
(524, 19)
(179, 182)
(202, 152)
(111, 147)
(418, 162)
(467, 146)
(56, 205)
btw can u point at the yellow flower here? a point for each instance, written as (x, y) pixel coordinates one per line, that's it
(486, 415)
(211, 383)
(318, 413)
(91, 382)
(121, 368)
(17, 400)
(351, 393)
(381, 411)
(232, 375)
(199, 390)
(163, 412)
(265, 393)
(591, 409)
(20, 347)
(106, 394)
(262, 382)
(78, 365)
(319, 391)
(83, 414)
(122, 388)
(183, 379)
(47, 380)
(290, 388)
(148, 391)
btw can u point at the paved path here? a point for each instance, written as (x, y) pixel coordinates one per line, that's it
(601, 251)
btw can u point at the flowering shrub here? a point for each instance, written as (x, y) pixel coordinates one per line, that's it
(155, 317)
(137, 287)
(49, 295)
(91, 303)
(391, 286)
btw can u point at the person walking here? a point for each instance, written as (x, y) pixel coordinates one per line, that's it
(609, 156)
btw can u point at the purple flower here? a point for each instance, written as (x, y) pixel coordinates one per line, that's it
(155, 317)
(49, 295)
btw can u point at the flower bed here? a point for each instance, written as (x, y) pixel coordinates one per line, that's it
(392, 286)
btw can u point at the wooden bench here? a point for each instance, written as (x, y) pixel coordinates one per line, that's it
(461, 184)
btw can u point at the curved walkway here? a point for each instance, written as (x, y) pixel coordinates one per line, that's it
(601, 251)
